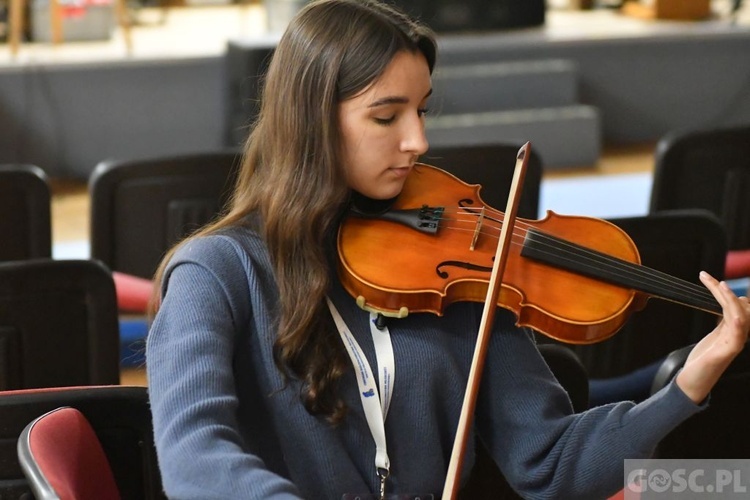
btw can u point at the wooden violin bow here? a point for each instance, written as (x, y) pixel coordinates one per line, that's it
(480, 351)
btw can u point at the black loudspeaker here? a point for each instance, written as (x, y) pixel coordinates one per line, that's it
(452, 16)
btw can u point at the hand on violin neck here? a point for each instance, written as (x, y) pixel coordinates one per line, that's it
(712, 355)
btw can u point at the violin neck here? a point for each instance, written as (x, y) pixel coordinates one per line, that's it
(593, 264)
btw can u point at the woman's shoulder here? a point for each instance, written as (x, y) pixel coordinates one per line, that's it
(226, 252)
(220, 244)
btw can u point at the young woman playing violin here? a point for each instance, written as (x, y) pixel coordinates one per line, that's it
(260, 362)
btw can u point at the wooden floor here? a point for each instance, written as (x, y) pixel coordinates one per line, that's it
(133, 376)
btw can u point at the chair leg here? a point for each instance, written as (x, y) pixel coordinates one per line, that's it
(15, 21)
(123, 19)
(56, 22)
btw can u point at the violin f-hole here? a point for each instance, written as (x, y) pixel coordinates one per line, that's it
(457, 263)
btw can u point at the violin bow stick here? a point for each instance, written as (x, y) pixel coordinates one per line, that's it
(480, 351)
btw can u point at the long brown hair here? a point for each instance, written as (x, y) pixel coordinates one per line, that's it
(292, 175)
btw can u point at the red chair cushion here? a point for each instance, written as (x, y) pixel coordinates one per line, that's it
(133, 293)
(69, 455)
(737, 265)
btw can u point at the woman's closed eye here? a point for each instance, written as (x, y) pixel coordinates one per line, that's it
(388, 120)
(384, 121)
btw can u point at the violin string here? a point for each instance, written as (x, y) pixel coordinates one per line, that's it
(556, 242)
(682, 290)
(624, 268)
(648, 277)
(574, 253)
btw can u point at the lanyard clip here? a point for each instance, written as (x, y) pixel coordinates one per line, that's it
(383, 475)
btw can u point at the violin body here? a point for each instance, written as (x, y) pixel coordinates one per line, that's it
(394, 268)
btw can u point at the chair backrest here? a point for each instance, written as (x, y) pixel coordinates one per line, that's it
(120, 417)
(720, 430)
(492, 167)
(58, 324)
(139, 209)
(707, 169)
(24, 213)
(681, 244)
(62, 458)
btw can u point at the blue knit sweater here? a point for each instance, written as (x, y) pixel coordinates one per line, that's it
(227, 426)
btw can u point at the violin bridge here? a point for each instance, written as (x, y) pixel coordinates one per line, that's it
(477, 230)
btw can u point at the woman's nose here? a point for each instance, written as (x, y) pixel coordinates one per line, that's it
(415, 139)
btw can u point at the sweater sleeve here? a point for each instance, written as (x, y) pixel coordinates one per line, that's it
(190, 351)
(543, 448)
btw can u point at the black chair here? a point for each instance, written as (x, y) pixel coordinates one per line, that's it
(121, 418)
(708, 169)
(486, 480)
(24, 213)
(720, 430)
(58, 324)
(492, 167)
(680, 244)
(139, 209)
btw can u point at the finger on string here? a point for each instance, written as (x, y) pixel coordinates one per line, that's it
(730, 304)
(716, 289)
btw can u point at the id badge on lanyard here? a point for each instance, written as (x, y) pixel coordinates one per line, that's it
(375, 398)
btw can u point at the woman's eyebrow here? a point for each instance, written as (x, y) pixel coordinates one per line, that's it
(394, 100)
(389, 100)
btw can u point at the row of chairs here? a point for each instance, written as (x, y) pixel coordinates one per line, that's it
(127, 236)
(139, 210)
(60, 354)
(70, 430)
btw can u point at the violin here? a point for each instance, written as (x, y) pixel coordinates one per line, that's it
(575, 279)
